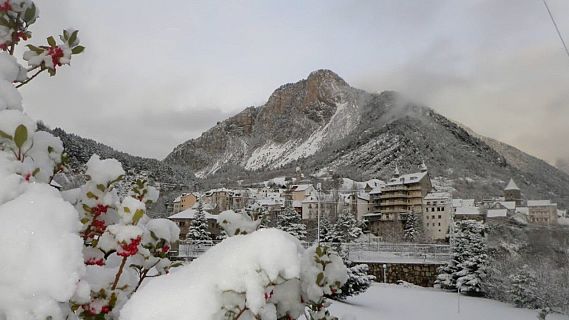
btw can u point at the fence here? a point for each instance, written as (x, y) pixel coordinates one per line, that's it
(357, 252)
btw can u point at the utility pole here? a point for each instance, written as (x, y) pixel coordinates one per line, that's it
(318, 188)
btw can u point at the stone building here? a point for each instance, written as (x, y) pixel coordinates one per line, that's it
(542, 212)
(184, 201)
(513, 193)
(220, 199)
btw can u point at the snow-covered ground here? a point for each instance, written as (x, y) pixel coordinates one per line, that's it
(393, 302)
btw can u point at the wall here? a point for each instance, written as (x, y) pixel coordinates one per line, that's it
(420, 274)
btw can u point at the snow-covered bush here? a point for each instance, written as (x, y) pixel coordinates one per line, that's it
(467, 269)
(358, 282)
(77, 253)
(523, 288)
(266, 274)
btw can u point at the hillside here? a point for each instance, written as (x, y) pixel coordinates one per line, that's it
(81, 149)
(323, 124)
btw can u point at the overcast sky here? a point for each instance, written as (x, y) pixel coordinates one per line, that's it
(156, 73)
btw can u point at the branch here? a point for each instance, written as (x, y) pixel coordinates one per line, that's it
(118, 276)
(31, 78)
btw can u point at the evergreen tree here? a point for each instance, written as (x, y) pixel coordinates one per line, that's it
(410, 232)
(346, 229)
(325, 229)
(199, 228)
(467, 268)
(291, 222)
(523, 290)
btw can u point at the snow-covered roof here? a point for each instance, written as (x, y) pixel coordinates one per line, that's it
(467, 211)
(206, 206)
(522, 210)
(297, 204)
(462, 203)
(300, 187)
(438, 196)
(375, 191)
(497, 213)
(407, 178)
(268, 202)
(190, 214)
(540, 203)
(561, 213)
(375, 183)
(212, 191)
(511, 185)
(510, 205)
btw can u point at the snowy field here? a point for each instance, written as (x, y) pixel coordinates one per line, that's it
(392, 302)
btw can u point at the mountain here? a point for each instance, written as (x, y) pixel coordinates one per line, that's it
(563, 165)
(323, 124)
(81, 149)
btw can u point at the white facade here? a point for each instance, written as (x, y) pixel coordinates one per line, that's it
(437, 217)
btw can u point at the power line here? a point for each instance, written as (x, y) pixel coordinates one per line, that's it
(556, 27)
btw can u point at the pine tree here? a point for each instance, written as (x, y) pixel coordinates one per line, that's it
(346, 229)
(358, 282)
(325, 230)
(523, 290)
(291, 222)
(467, 269)
(199, 228)
(410, 233)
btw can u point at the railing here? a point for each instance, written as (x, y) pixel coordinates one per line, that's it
(358, 252)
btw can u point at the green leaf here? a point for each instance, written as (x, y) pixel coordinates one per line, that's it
(137, 216)
(5, 135)
(319, 279)
(21, 135)
(4, 22)
(91, 195)
(73, 37)
(126, 209)
(84, 220)
(51, 41)
(36, 171)
(30, 13)
(78, 49)
(49, 149)
(87, 208)
(51, 72)
(35, 49)
(101, 187)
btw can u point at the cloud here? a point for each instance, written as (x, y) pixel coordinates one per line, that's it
(151, 79)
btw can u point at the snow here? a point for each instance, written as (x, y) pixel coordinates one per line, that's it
(10, 71)
(237, 223)
(539, 203)
(235, 272)
(393, 302)
(407, 178)
(497, 213)
(190, 214)
(41, 252)
(511, 185)
(103, 171)
(467, 211)
(462, 203)
(563, 221)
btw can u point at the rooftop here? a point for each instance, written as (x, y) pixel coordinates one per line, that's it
(511, 185)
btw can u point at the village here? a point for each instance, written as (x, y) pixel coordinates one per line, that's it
(384, 209)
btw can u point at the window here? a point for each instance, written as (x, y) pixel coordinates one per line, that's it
(439, 224)
(439, 216)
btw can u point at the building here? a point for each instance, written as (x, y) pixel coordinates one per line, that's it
(310, 208)
(438, 215)
(375, 200)
(542, 212)
(497, 215)
(404, 194)
(513, 193)
(468, 213)
(220, 199)
(184, 201)
(299, 192)
(358, 204)
(184, 221)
